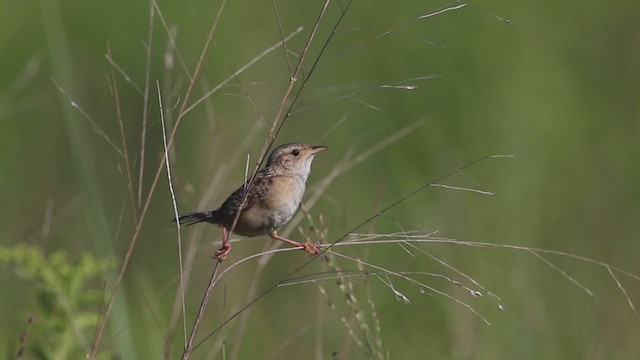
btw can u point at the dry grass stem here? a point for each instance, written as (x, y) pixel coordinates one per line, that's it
(267, 144)
(145, 109)
(420, 284)
(101, 325)
(175, 210)
(284, 44)
(242, 69)
(352, 96)
(327, 248)
(567, 276)
(196, 236)
(282, 115)
(457, 271)
(171, 37)
(453, 6)
(344, 165)
(451, 187)
(123, 73)
(367, 239)
(189, 92)
(624, 292)
(95, 126)
(125, 151)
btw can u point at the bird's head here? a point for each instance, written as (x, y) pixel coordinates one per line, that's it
(293, 158)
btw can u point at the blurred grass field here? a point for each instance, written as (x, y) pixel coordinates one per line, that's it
(551, 83)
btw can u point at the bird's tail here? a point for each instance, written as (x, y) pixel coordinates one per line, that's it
(195, 217)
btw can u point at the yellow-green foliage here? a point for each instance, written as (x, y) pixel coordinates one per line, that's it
(67, 296)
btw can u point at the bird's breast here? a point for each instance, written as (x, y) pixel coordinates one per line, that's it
(285, 194)
(276, 209)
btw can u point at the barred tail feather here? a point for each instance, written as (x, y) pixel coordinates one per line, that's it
(195, 217)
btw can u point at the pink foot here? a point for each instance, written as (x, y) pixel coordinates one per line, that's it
(311, 248)
(223, 252)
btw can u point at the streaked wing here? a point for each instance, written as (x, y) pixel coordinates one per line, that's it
(259, 189)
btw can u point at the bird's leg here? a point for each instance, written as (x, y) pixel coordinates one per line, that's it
(222, 253)
(311, 248)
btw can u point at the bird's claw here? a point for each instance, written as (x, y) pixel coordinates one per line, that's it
(221, 254)
(311, 248)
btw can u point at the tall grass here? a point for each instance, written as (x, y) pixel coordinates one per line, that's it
(376, 266)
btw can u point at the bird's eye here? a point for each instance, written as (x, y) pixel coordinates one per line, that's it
(295, 152)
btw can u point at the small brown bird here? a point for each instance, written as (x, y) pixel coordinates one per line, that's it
(272, 200)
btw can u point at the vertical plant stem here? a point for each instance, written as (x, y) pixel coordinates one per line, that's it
(83, 156)
(136, 235)
(145, 110)
(175, 211)
(203, 306)
(127, 164)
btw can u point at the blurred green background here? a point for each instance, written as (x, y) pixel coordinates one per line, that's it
(553, 83)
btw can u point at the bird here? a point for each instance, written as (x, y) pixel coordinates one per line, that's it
(272, 200)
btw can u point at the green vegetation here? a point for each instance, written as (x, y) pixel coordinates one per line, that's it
(543, 246)
(68, 299)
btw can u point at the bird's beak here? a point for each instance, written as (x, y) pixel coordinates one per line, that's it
(318, 148)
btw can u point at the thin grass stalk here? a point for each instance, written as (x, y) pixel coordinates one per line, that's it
(220, 174)
(127, 164)
(82, 150)
(145, 109)
(343, 166)
(175, 211)
(343, 237)
(278, 121)
(101, 325)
